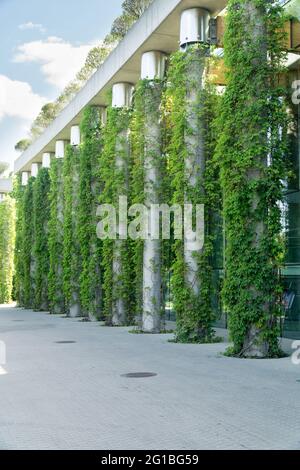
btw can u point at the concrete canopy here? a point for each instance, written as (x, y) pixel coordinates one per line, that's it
(157, 29)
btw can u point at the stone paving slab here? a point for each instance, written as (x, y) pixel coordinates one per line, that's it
(73, 396)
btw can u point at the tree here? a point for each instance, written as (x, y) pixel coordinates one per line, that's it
(135, 8)
(22, 145)
(121, 25)
(94, 59)
(47, 114)
(132, 11)
(3, 167)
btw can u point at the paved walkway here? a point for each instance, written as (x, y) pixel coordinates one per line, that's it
(73, 396)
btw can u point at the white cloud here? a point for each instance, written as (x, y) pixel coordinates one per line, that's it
(17, 99)
(31, 25)
(19, 105)
(59, 60)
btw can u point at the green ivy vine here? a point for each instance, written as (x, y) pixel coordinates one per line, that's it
(41, 216)
(194, 313)
(147, 102)
(55, 239)
(252, 154)
(137, 187)
(7, 246)
(114, 183)
(90, 189)
(27, 256)
(71, 248)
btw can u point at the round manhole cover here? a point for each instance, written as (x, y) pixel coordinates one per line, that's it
(139, 375)
(65, 342)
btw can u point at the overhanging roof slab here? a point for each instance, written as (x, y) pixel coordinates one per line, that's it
(157, 29)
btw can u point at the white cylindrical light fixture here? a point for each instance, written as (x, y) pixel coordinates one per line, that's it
(194, 26)
(153, 65)
(46, 160)
(25, 178)
(35, 169)
(60, 146)
(122, 95)
(75, 136)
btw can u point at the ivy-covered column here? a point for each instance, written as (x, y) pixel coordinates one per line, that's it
(41, 216)
(89, 193)
(251, 153)
(148, 134)
(33, 263)
(115, 175)
(7, 246)
(71, 253)
(18, 194)
(56, 224)
(28, 243)
(192, 273)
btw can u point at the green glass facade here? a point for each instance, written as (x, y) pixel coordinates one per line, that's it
(218, 268)
(291, 222)
(290, 322)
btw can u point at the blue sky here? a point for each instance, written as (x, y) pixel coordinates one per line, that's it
(43, 45)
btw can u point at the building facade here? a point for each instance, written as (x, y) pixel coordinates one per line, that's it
(160, 32)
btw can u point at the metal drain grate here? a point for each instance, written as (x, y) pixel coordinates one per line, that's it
(139, 375)
(65, 342)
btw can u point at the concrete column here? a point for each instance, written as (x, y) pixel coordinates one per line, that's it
(152, 68)
(75, 307)
(99, 116)
(46, 160)
(121, 99)
(33, 264)
(194, 29)
(60, 147)
(25, 178)
(103, 115)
